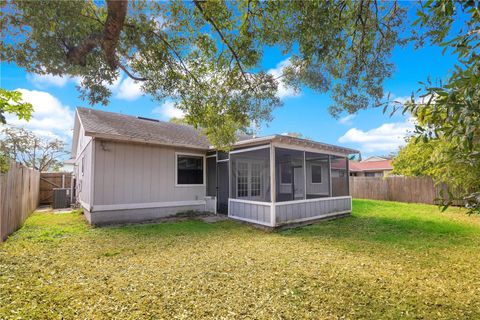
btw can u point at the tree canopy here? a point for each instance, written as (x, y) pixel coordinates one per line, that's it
(30, 149)
(207, 55)
(11, 102)
(446, 142)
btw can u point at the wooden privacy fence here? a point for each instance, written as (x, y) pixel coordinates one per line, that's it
(397, 188)
(19, 190)
(51, 180)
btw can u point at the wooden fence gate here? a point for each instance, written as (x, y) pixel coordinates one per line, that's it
(51, 180)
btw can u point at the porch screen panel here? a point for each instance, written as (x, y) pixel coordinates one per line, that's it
(289, 175)
(211, 176)
(339, 176)
(250, 175)
(318, 175)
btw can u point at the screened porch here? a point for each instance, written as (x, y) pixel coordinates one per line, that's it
(274, 185)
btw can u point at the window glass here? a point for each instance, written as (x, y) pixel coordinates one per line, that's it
(316, 174)
(250, 175)
(189, 169)
(255, 179)
(285, 173)
(242, 179)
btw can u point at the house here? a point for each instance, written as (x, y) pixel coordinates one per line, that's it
(131, 169)
(371, 167)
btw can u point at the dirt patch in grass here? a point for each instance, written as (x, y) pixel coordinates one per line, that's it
(388, 260)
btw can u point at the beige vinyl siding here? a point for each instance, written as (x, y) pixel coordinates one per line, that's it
(83, 173)
(322, 189)
(127, 173)
(254, 212)
(83, 168)
(296, 211)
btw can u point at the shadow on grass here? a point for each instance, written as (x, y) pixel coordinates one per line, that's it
(408, 231)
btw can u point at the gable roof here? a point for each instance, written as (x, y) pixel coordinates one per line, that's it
(115, 126)
(294, 141)
(375, 158)
(371, 165)
(118, 126)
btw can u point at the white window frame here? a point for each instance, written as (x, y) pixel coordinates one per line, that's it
(249, 180)
(311, 173)
(186, 154)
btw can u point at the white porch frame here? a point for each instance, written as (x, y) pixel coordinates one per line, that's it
(273, 204)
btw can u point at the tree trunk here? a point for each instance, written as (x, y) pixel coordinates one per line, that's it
(108, 39)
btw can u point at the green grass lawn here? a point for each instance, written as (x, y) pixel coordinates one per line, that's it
(388, 260)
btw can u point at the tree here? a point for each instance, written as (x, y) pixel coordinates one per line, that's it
(441, 160)
(11, 102)
(206, 55)
(448, 113)
(33, 151)
(178, 121)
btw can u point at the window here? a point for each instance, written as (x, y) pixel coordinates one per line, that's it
(189, 170)
(249, 179)
(255, 179)
(316, 174)
(83, 165)
(285, 173)
(369, 174)
(242, 179)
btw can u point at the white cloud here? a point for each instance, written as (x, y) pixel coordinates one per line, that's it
(43, 81)
(387, 137)
(129, 89)
(284, 91)
(347, 120)
(50, 118)
(167, 110)
(47, 80)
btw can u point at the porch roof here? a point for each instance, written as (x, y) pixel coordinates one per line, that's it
(307, 143)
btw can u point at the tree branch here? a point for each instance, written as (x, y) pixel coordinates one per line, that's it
(108, 39)
(117, 11)
(128, 73)
(222, 37)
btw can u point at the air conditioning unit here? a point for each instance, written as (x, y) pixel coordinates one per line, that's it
(61, 198)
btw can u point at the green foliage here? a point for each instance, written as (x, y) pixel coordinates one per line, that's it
(442, 160)
(389, 260)
(178, 120)
(31, 150)
(206, 55)
(11, 102)
(4, 162)
(448, 113)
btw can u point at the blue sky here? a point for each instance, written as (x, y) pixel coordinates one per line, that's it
(370, 131)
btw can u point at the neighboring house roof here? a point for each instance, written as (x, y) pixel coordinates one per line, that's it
(109, 125)
(374, 158)
(382, 165)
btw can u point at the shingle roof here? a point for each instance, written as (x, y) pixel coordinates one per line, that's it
(125, 127)
(117, 126)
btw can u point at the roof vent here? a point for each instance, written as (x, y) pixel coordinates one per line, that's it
(148, 119)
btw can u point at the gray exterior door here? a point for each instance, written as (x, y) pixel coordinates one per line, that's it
(222, 187)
